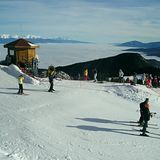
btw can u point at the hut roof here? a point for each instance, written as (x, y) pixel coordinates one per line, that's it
(20, 43)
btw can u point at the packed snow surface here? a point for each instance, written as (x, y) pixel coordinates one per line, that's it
(81, 120)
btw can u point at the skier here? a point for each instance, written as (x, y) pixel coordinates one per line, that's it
(155, 81)
(20, 82)
(85, 74)
(121, 75)
(142, 104)
(95, 75)
(135, 79)
(149, 81)
(51, 75)
(146, 116)
(143, 78)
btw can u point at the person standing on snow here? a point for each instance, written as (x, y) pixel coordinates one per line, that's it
(85, 74)
(20, 82)
(155, 81)
(95, 75)
(146, 116)
(121, 75)
(51, 75)
(135, 79)
(143, 78)
(142, 104)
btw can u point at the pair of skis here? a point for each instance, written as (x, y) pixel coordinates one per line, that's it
(150, 125)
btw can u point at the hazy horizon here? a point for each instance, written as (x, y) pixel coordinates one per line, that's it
(59, 54)
(62, 54)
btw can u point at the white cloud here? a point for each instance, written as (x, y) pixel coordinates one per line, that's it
(81, 19)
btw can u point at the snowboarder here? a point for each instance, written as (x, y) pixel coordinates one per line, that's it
(146, 115)
(20, 82)
(51, 75)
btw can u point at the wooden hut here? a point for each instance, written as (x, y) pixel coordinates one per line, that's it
(21, 52)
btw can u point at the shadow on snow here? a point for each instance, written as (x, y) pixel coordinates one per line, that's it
(114, 130)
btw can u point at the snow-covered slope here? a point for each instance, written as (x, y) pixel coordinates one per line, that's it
(80, 121)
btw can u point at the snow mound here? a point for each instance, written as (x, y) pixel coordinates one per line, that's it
(136, 93)
(14, 71)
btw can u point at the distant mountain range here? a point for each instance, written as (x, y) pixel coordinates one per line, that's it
(109, 67)
(138, 44)
(150, 49)
(6, 38)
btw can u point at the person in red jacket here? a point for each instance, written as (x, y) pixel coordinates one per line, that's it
(148, 82)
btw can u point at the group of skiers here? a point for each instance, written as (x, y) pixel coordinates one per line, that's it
(51, 74)
(146, 79)
(144, 106)
(151, 81)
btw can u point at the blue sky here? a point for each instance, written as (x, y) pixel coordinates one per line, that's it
(106, 21)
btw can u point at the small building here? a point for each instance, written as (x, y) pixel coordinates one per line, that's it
(21, 52)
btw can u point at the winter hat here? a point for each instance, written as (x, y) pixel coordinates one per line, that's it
(147, 99)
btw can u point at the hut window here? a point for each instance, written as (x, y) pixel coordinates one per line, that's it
(11, 52)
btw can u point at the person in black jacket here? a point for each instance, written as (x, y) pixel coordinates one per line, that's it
(141, 119)
(51, 75)
(146, 117)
